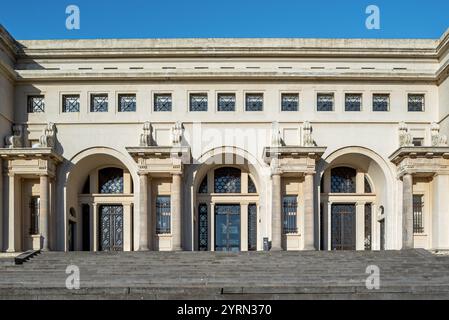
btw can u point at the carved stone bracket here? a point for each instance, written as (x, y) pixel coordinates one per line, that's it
(438, 140)
(16, 139)
(48, 138)
(405, 138)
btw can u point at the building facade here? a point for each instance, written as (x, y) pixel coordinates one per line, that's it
(224, 144)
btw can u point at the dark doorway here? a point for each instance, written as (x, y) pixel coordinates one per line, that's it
(111, 228)
(343, 227)
(227, 227)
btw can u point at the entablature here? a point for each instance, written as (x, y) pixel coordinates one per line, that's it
(293, 159)
(421, 161)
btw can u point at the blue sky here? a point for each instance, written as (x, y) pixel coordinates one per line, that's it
(45, 19)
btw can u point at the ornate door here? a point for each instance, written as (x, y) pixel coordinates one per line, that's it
(343, 227)
(111, 228)
(227, 227)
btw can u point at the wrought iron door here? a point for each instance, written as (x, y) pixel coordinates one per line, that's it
(111, 228)
(227, 227)
(343, 227)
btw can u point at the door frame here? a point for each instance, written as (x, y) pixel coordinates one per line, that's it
(237, 205)
(100, 234)
(354, 231)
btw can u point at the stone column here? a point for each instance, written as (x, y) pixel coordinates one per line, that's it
(244, 227)
(407, 211)
(44, 210)
(143, 207)
(360, 226)
(11, 213)
(94, 227)
(176, 212)
(309, 223)
(276, 213)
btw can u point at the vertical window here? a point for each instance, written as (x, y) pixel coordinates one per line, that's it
(70, 103)
(203, 234)
(126, 103)
(368, 221)
(381, 102)
(353, 102)
(163, 215)
(325, 102)
(252, 227)
(415, 102)
(34, 211)
(226, 102)
(251, 186)
(289, 102)
(162, 102)
(99, 103)
(289, 211)
(254, 102)
(418, 204)
(36, 104)
(203, 186)
(198, 102)
(367, 186)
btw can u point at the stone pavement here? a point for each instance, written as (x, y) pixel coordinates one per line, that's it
(246, 275)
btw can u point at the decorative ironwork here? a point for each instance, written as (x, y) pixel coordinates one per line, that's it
(418, 221)
(254, 102)
(163, 215)
(382, 234)
(252, 227)
(226, 102)
(71, 103)
(110, 180)
(415, 102)
(353, 102)
(325, 102)
(203, 186)
(289, 102)
(227, 227)
(368, 221)
(127, 103)
(36, 104)
(99, 103)
(289, 212)
(111, 224)
(227, 180)
(34, 219)
(367, 186)
(198, 102)
(162, 102)
(343, 180)
(381, 102)
(343, 227)
(251, 186)
(203, 228)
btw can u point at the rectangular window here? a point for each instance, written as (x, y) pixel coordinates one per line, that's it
(163, 215)
(226, 102)
(381, 102)
(198, 102)
(99, 103)
(34, 211)
(162, 102)
(71, 103)
(325, 102)
(254, 102)
(289, 102)
(289, 211)
(418, 204)
(353, 102)
(415, 102)
(418, 142)
(127, 103)
(36, 104)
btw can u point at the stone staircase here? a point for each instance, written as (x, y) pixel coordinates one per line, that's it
(245, 275)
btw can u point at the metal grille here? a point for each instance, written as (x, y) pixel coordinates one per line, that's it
(367, 186)
(71, 103)
(252, 227)
(368, 221)
(290, 102)
(111, 228)
(325, 102)
(353, 102)
(203, 234)
(251, 186)
(343, 180)
(226, 102)
(289, 211)
(227, 180)
(163, 215)
(415, 102)
(198, 102)
(254, 102)
(162, 102)
(99, 103)
(36, 104)
(127, 103)
(343, 227)
(203, 186)
(110, 180)
(381, 102)
(418, 223)
(34, 210)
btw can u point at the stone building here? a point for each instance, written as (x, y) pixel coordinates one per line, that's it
(224, 144)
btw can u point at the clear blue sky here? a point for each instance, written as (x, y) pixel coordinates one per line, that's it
(45, 19)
